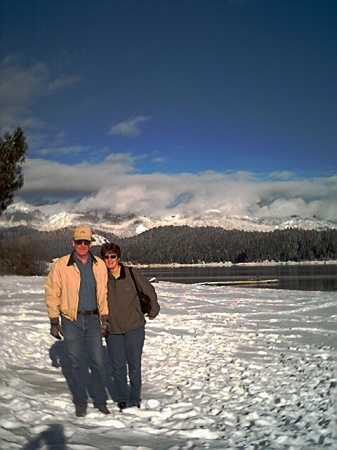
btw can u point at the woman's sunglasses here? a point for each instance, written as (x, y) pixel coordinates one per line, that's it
(110, 256)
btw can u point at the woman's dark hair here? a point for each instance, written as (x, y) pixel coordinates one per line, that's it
(110, 247)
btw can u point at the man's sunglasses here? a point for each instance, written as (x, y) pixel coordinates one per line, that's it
(110, 256)
(82, 241)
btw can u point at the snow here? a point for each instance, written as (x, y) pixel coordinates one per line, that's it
(223, 368)
(61, 215)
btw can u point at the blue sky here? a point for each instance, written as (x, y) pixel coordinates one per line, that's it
(181, 100)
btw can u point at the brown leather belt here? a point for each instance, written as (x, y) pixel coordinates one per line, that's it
(87, 313)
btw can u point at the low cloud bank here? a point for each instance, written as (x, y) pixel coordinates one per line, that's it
(114, 184)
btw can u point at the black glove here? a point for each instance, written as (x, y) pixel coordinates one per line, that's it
(105, 326)
(55, 328)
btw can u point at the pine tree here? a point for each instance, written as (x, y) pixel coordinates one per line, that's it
(12, 156)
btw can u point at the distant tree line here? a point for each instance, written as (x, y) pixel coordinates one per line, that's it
(26, 251)
(188, 245)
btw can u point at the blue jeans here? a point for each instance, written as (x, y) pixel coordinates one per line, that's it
(125, 352)
(83, 340)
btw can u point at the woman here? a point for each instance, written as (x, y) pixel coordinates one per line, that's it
(125, 331)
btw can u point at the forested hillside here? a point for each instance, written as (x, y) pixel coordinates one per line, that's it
(27, 251)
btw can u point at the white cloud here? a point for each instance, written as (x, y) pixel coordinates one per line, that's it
(67, 150)
(129, 128)
(21, 87)
(114, 184)
(63, 81)
(284, 175)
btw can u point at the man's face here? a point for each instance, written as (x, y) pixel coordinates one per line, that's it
(81, 247)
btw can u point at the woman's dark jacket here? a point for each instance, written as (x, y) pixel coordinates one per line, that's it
(124, 307)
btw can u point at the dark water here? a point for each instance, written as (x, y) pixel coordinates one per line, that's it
(293, 277)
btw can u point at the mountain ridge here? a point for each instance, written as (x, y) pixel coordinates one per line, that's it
(128, 225)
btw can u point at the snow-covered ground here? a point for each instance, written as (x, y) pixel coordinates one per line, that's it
(223, 368)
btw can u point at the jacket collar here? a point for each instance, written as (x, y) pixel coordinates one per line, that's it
(72, 259)
(122, 273)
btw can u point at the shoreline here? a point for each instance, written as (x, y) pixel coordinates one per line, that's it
(229, 264)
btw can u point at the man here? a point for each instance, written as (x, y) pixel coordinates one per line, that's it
(76, 294)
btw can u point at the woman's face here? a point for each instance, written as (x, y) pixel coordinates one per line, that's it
(111, 260)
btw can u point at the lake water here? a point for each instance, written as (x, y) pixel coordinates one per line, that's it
(293, 277)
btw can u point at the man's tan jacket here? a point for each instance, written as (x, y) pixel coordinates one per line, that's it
(63, 285)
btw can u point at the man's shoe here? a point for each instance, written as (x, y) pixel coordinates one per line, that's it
(80, 410)
(103, 409)
(122, 405)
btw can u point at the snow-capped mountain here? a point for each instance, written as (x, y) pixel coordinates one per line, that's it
(45, 219)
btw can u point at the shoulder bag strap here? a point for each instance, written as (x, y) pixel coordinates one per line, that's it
(134, 280)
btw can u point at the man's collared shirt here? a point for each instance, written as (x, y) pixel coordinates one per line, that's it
(87, 294)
